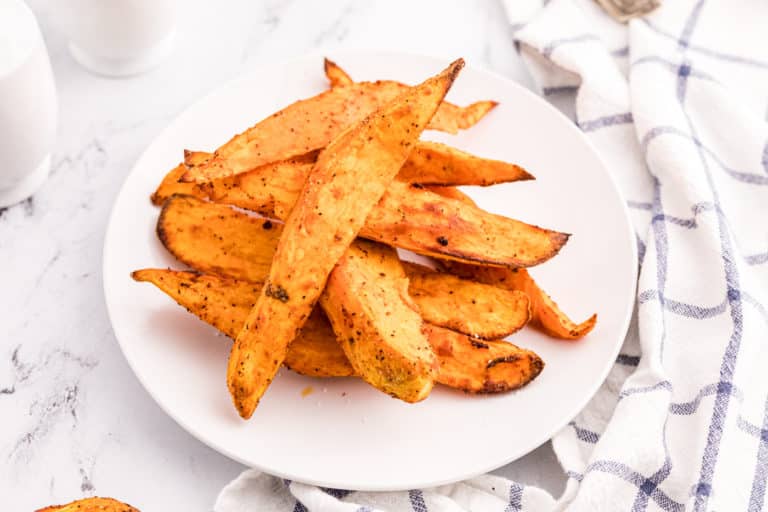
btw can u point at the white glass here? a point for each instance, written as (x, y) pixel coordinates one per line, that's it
(118, 37)
(28, 104)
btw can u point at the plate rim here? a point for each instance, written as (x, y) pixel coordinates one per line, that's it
(339, 53)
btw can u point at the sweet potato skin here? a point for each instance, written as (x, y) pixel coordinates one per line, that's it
(330, 211)
(546, 314)
(477, 310)
(366, 300)
(463, 361)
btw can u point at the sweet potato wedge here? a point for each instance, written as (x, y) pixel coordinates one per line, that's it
(171, 184)
(366, 300)
(408, 217)
(432, 225)
(311, 124)
(432, 163)
(429, 164)
(224, 303)
(94, 504)
(481, 366)
(216, 239)
(349, 177)
(315, 352)
(546, 314)
(484, 311)
(450, 117)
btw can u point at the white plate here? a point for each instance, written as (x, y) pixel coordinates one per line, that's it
(346, 434)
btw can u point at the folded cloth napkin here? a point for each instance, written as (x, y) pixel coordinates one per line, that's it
(676, 103)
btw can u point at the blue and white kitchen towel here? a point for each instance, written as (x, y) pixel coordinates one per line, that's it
(677, 105)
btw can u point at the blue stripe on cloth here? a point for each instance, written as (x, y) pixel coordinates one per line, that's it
(299, 507)
(628, 360)
(584, 434)
(752, 179)
(417, 500)
(559, 89)
(683, 308)
(757, 494)
(685, 38)
(339, 494)
(576, 476)
(639, 205)
(650, 484)
(747, 298)
(757, 259)
(691, 222)
(688, 408)
(764, 160)
(628, 474)
(515, 503)
(553, 45)
(730, 357)
(659, 230)
(671, 66)
(749, 428)
(664, 384)
(604, 121)
(725, 57)
(620, 52)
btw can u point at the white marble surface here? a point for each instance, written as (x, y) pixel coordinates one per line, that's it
(75, 421)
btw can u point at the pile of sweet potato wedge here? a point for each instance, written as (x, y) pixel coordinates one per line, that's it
(290, 230)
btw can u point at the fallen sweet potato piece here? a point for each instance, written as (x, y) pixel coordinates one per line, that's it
(312, 123)
(94, 504)
(216, 239)
(224, 303)
(465, 363)
(468, 307)
(349, 177)
(547, 316)
(366, 300)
